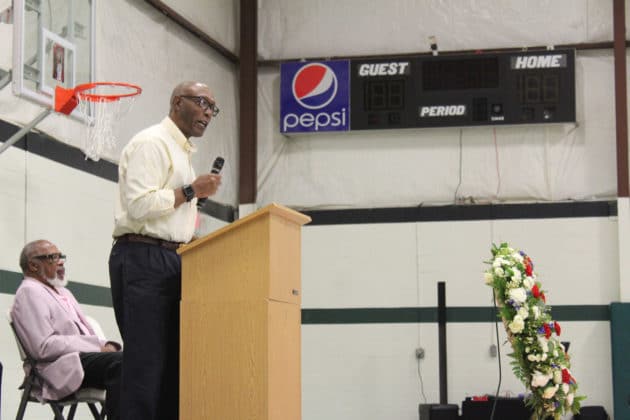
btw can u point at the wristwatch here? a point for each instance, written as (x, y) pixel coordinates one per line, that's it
(189, 192)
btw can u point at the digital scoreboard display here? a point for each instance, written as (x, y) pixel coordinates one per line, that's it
(463, 90)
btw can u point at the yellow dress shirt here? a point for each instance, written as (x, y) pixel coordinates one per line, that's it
(156, 161)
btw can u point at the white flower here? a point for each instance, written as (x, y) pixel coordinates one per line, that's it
(565, 389)
(499, 271)
(544, 343)
(570, 399)
(540, 379)
(537, 357)
(517, 324)
(557, 376)
(517, 256)
(550, 391)
(516, 276)
(488, 277)
(518, 295)
(528, 282)
(498, 262)
(523, 312)
(536, 312)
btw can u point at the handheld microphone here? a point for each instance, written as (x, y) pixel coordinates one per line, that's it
(217, 165)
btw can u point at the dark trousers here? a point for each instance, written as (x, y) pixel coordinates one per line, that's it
(146, 290)
(103, 370)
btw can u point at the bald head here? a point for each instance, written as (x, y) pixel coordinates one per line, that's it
(190, 110)
(187, 88)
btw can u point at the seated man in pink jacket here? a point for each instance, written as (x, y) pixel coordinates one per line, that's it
(54, 330)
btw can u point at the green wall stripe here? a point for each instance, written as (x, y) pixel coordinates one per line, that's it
(368, 315)
(453, 314)
(100, 296)
(91, 295)
(9, 281)
(87, 294)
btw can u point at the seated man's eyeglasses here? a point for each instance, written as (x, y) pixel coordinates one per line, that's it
(203, 104)
(52, 258)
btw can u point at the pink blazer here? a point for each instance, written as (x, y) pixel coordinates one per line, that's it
(49, 335)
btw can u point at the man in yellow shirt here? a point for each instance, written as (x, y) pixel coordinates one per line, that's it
(158, 191)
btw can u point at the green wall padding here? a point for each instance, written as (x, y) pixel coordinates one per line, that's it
(620, 345)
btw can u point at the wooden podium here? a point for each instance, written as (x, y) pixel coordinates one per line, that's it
(240, 340)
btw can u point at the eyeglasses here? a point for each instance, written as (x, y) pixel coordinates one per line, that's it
(203, 104)
(52, 258)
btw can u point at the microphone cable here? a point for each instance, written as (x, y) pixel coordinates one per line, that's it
(496, 329)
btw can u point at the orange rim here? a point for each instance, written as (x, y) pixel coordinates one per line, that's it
(93, 97)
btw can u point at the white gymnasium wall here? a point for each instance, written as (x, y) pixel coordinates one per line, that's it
(224, 30)
(369, 371)
(326, 28)
(67, 206)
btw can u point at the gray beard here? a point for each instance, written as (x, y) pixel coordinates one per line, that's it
(57, 282)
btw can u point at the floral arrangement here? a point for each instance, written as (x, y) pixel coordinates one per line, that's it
(540, 360)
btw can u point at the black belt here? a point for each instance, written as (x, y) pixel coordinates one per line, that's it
(134, 237)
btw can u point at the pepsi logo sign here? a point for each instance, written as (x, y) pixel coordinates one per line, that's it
(314, 96)
(314, 86)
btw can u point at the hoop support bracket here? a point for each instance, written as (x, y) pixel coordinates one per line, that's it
(24, 130)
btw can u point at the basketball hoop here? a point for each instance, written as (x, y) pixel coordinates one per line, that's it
(101, 105)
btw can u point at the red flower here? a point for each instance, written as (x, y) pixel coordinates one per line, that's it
(529, 267)
(542, 296)
(536, 291)
(556, 327)
(547, 331)
(566, 376)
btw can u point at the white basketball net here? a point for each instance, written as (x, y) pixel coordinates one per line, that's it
(101, 116)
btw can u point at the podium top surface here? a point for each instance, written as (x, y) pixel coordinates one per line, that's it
(274, 209)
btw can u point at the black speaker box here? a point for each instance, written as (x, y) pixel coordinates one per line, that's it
(506, 408)
(438, 411)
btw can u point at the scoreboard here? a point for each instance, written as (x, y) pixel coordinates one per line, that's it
(463, 90)
(525, 87)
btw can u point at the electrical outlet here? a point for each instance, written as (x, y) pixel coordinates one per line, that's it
(419, 353)
(493, 350)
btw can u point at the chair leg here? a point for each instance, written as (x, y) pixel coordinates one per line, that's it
(25, 395)
(95, 413)
(73, 409)
(57, 410)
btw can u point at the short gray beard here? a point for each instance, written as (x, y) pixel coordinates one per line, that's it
(57, 282)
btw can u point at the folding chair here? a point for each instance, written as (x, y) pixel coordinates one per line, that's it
(90, 396)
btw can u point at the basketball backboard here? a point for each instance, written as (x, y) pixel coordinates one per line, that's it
(53, 45)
